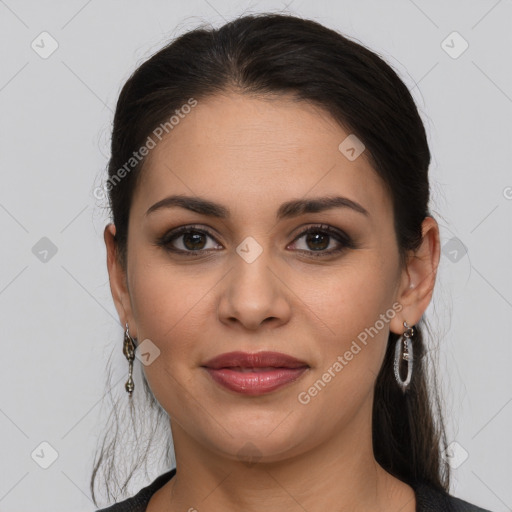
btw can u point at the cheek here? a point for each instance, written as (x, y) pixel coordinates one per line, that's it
(167, 298)
(349, 360)
(174, 310)
(354, 308)
(167, 308)
(350, 299)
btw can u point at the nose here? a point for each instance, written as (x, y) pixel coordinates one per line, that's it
(254, 293)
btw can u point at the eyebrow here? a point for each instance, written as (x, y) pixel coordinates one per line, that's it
(287, 210)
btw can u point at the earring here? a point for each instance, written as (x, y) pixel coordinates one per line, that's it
(405, 356)
(129, 352)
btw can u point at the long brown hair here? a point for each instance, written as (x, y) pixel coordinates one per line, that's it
(276, 53)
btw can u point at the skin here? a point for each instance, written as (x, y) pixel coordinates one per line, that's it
(251, 154)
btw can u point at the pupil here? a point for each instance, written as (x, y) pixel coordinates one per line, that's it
(188, 236)
(315, 240)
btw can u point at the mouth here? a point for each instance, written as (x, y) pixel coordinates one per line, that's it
(257, 360)
(255, 374)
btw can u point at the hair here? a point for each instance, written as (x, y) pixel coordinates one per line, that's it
(279, 54)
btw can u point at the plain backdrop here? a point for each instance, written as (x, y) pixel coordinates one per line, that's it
(58, 321)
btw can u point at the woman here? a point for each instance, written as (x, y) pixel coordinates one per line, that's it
(271, 257)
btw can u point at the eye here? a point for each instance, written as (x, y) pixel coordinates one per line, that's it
(191, 239)
(318, 238)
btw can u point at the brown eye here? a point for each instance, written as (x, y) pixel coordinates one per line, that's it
(317, 241)
(186, 239)
(193, 240)
(319, 238)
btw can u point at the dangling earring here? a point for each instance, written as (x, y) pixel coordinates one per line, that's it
(406, 356)
(129, 352)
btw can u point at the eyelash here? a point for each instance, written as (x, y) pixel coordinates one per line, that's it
(340, 236)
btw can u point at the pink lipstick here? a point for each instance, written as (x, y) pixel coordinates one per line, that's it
(256, 373)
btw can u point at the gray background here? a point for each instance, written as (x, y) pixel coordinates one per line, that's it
(58, 322)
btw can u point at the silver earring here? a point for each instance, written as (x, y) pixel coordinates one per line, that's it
(129, 352)
(407, 355)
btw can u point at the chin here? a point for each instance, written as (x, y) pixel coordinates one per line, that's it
(259, 446)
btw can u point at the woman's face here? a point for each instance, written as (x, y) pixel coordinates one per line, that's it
(256, 283)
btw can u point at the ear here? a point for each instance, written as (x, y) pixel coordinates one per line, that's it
(118, 281)
(418, 278)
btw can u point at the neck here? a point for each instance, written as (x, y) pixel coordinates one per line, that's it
(340, 474)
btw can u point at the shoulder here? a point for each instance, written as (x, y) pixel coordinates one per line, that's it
(460, 505)
(139, 502)
(430, 499)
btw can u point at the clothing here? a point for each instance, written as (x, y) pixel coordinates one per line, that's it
(428, 499)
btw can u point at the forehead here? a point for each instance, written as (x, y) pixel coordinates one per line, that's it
(250, 151)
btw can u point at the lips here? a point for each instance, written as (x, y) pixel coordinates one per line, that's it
(259, 361)
(254, 374)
